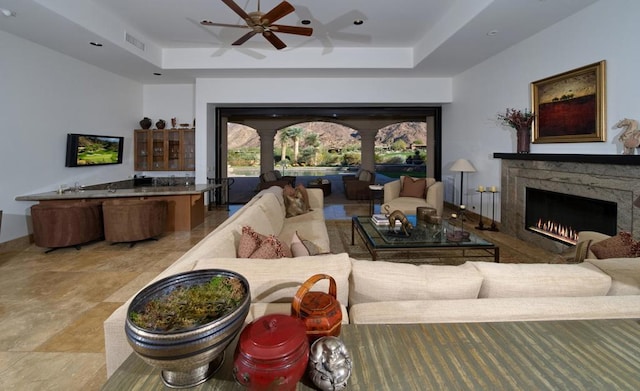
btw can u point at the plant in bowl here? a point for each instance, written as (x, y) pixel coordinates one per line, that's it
(183, 323)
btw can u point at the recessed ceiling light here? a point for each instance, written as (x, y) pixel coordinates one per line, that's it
(98, 44)
(7, 12)
(157, 73)
(358, 22)
(305, 21)
(492, 33)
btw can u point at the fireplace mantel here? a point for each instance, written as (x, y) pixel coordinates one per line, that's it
(614, 178)
(633, 160)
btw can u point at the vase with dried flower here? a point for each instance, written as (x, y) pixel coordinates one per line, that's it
(521, 121)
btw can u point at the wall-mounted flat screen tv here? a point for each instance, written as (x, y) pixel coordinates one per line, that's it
(92, 150)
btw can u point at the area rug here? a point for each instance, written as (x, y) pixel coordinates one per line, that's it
(511, 250)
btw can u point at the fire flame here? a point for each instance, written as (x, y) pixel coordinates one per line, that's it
(557, 231)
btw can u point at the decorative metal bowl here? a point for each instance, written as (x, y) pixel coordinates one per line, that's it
(191, 356)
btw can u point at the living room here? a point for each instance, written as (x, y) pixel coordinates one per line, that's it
(49, 94)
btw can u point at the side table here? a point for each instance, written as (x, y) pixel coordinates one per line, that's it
(376, 192)
(325, 185)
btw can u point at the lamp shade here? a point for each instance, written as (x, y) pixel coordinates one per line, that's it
(462, 165)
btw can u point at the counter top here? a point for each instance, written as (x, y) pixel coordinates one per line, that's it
(143, 191)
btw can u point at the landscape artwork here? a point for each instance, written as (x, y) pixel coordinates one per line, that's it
(570, 107)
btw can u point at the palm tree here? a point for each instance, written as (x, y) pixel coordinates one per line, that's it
(313, 140)
(284, 139)
(295, 132)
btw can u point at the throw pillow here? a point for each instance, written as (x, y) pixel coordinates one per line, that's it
(413, 187)
(249, 242)
(296, 201)
(620, 246)
(301, 247)
(271, 248)
(582, 249)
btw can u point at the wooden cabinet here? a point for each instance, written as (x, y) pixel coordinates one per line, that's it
(164, 150)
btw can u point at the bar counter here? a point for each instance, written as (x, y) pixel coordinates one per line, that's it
(186, 203)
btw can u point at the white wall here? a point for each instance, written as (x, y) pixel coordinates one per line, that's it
(43, 96)
(603, 31)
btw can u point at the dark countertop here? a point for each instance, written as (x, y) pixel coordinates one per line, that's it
(143, 191)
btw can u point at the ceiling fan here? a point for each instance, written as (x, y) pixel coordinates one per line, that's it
(261, 23)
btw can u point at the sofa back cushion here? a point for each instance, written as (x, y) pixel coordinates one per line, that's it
(389, 281)
(624, 273)
(278, 280)
(541, 280)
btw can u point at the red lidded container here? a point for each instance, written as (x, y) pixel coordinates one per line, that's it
(272, 353)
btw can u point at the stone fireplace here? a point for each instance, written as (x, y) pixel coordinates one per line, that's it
(612, 182)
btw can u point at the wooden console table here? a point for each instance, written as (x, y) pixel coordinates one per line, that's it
(552, 355)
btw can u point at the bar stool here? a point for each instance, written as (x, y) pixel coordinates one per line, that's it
(131, 221)
(58, 225)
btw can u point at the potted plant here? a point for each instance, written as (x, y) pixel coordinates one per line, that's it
(521, 121)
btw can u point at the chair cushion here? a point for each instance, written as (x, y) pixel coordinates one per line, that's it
(413, 187)
(364, 176)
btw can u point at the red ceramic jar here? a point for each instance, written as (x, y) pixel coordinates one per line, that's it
(272, 353)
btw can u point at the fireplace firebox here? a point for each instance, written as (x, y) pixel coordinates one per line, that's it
(560, 216)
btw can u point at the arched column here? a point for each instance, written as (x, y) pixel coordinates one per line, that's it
(266, 149)
(367, 149)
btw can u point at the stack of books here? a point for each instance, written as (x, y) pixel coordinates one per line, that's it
(380, 219)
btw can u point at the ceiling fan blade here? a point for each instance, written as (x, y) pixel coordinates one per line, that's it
(210, 23)
(279, 11)
(275, 41)
(236, 8)
(292, 29)
(245, 38)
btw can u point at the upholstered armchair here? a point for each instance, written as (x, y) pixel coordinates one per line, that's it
(275, 178)
(406, 194)
(357, 187)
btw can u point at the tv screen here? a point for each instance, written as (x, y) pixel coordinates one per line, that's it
(92, 150)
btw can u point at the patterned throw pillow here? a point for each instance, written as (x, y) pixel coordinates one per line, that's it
(249, 242)
(413, 187)
(271, 248)
(255, 245)
(620, 246)
(296, 201)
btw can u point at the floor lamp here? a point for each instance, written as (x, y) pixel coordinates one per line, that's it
(462, 166)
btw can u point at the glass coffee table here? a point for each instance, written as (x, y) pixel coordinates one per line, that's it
(423, 238)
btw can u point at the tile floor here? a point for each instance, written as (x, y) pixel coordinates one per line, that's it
(53, 305)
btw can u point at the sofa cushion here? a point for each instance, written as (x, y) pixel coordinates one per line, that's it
(278, 280)
(388, 281)
(624, 272)
(496, 310)
(621, 245)
(538, 280)
(413, 187)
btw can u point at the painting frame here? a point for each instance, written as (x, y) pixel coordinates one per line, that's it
(570, 107)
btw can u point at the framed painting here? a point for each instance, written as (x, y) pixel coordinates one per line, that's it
(570, 107)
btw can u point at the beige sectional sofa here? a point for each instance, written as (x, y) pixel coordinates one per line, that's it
(387, 292)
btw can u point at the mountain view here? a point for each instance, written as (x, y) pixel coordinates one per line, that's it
(333, 135)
